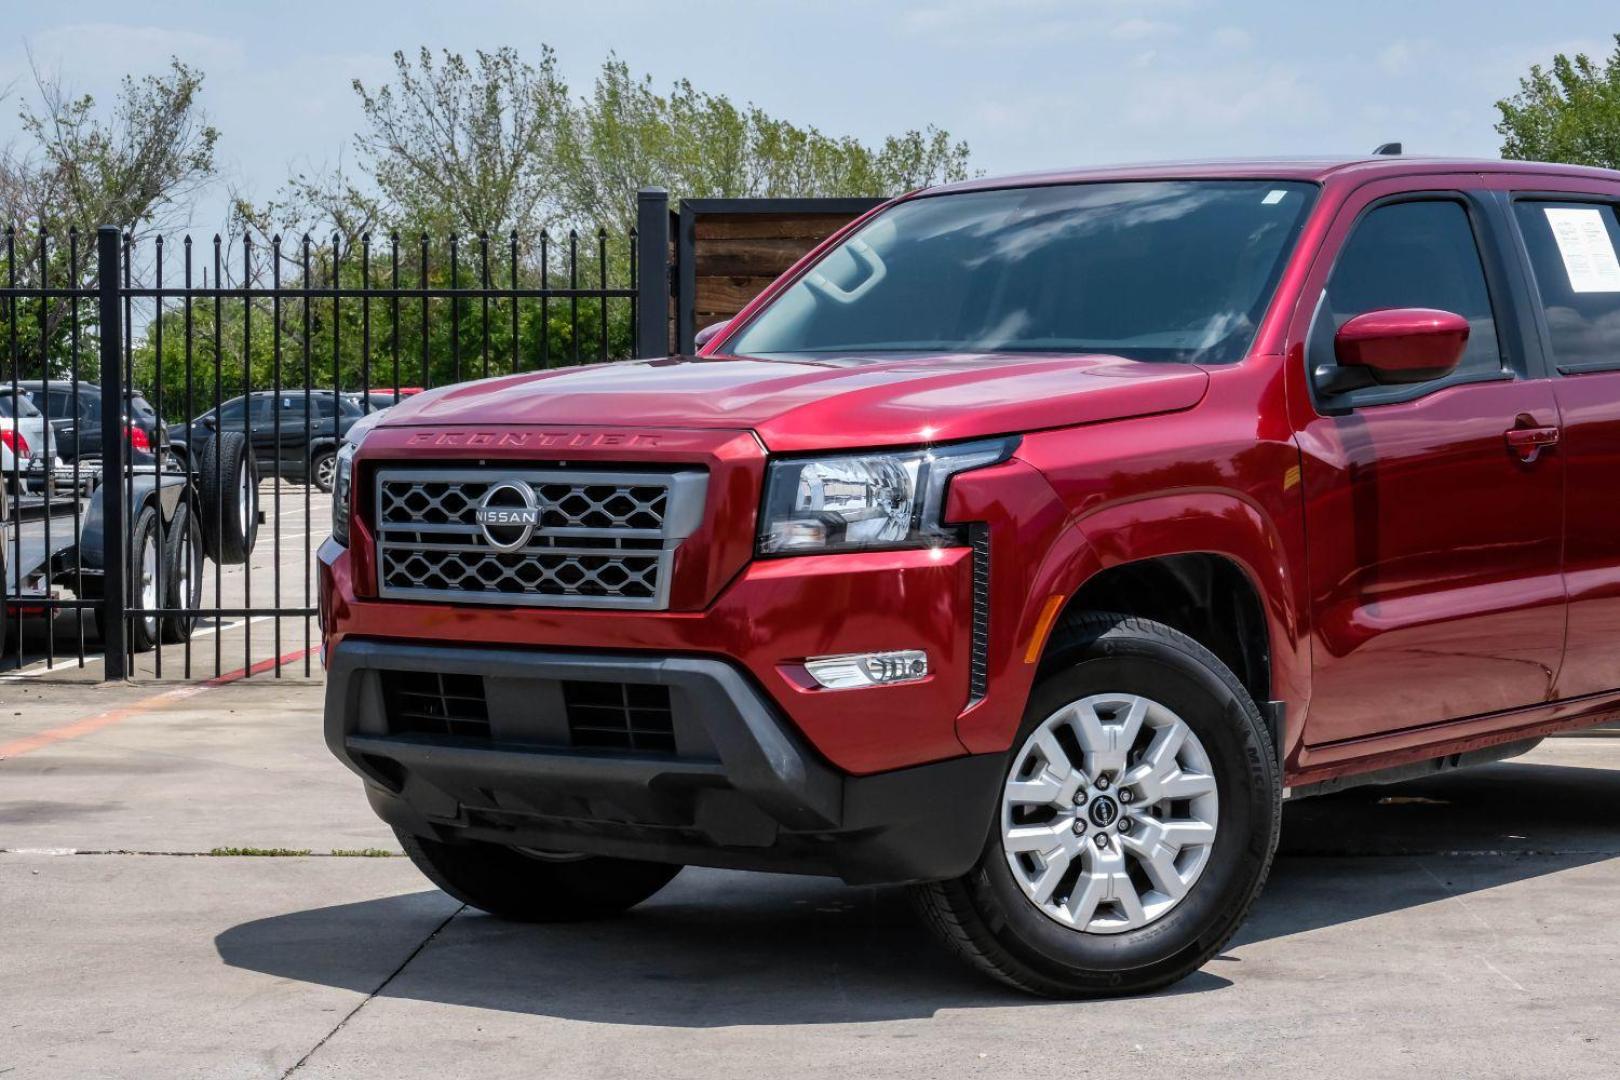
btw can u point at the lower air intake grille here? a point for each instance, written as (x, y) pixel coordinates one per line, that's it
(619, 716)
(428, 703)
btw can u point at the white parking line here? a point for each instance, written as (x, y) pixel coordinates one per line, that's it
(46, 667)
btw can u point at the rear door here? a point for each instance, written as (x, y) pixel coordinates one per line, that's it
(74, 421)
(1434, 543)
(1570, 241)
(293, 437)
(262, 428)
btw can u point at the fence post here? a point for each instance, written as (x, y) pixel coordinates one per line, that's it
(114, 534)
(652, 272)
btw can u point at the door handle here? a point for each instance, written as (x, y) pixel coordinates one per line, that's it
(1529, 442)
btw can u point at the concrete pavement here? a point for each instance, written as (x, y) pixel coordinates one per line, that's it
(1462, 926)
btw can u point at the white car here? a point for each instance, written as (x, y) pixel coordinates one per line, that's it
(27, 444)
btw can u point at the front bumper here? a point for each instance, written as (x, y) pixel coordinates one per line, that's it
(741, 790)
(765, 623)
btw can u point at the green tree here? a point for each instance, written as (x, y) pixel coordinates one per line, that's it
(79, 167)
(369, 341)
(496, 143)
(699, 145)
(1570, 113)
(456, 149)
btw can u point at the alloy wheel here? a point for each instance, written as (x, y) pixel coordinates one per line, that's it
(148, 582)
(1109, 813)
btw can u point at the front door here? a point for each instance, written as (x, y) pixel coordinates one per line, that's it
(1434, 534)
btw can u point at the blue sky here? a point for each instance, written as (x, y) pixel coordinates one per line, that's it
(1029, 83)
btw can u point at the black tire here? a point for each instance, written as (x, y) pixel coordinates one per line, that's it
(526, 888)
(985, 916)
(323, 469)
(143, 631)
(182, 573)
(228, 484)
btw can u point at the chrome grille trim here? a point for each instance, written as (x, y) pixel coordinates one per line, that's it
(606, 539)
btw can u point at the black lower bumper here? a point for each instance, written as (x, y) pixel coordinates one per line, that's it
(741, 790)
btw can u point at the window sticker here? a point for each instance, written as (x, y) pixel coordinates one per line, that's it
(1588, 253)
(1274, 197)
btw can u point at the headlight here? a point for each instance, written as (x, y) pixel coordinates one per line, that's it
(342, 483)
(862, 502)
(340, 494)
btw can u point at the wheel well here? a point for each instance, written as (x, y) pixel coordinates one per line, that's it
(1207, 597)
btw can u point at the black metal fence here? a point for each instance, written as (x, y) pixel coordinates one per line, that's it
(152, 362)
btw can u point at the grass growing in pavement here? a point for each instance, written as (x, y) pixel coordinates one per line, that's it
(364, 853)
(270, 851)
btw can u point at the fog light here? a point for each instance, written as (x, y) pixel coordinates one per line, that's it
(868, 669)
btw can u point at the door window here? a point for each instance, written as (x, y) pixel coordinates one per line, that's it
(1572, 248)
(1412, 255)
(292, 407)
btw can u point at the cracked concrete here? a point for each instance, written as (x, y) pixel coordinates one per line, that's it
(1461, 926)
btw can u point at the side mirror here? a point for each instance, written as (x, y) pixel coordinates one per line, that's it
(1395, 346)
(708, 333)
(207, 421)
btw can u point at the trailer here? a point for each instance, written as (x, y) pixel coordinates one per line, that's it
(177, 517)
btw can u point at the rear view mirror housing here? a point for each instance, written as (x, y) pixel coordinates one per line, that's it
(1394, 347)
(709, 333)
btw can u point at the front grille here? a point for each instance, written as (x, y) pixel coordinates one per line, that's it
(619, 716)
(590, 539)
(428, 703)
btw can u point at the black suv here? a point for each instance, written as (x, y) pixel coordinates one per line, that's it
(302, 446)
(74, 410)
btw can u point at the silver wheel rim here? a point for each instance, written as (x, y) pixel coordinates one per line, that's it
(188, 554)
(244, 497)
(1115, 840)
(149, 596)
(325, 471)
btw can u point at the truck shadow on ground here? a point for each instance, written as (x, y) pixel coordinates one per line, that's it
(719, 948)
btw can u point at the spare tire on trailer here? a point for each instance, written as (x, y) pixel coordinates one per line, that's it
(228, 486)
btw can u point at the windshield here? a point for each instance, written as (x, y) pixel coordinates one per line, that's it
(18, 405)
(1162, 270)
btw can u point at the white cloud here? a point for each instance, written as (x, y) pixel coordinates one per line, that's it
(120, 47)
(1036, 22)
(1398, 55)
(1143, 30)
(1225, 100)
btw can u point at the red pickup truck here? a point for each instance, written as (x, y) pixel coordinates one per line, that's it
(1029, 542)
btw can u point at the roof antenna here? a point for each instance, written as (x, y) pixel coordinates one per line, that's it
(1389, 149)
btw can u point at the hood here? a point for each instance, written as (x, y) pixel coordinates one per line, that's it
(803, 403)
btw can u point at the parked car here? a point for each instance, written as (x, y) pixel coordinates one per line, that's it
(300, 443)
(1028, 542)
(74, 410)
(28, 458)
(377, 400)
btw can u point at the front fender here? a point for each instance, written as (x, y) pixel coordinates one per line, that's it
(1172, 523)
